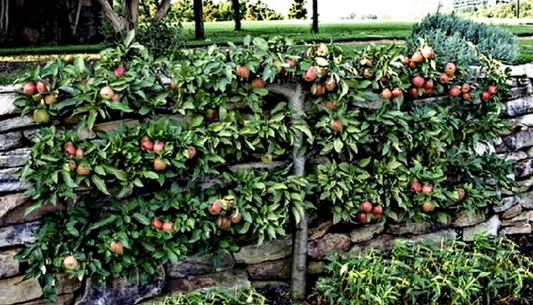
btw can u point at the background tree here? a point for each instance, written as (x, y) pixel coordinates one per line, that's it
(315, 16)
(199, 30)
(182, 10)
(298, 10)
(236, 14)
(126, 17)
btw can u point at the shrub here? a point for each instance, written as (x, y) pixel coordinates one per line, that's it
(443, 32)
(482, 273)
(164, 39)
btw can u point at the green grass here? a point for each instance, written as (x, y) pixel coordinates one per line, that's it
(221, 32)
(526, 51)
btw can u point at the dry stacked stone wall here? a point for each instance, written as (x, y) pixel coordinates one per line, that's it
(270, 263)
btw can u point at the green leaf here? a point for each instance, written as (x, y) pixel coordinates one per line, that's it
(129, 38)
(142, 219)
(119, 106)
(100, 184)
(338, 145)
(150, 175)
(68, 180)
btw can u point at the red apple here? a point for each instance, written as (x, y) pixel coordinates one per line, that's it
(450, 68)
(29, 89)
(418, 81)
(455, 91)
(366, 206)
(107, 93)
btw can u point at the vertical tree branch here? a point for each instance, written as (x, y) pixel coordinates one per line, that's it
(299, 263)
(296, 97)
(134, 14)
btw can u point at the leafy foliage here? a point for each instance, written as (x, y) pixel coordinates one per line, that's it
(298, 10)
(444, 32)
(228, 106)
(215, 297)
(487, 271)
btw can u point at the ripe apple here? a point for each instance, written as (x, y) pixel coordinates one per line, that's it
(159, 165)
(119, 71)
(485, 96)
(116, 247)
(242, 71)
(492, 89)
(397, 92)
(450, 68)
(29, 89)
(417, 57)
(386, 94)
(455, 91)
(418, 81)
(107, 93)
(71, 263)
(366, 207)
(258, 83)
(336, 125)
(427, 52)
(310, 75)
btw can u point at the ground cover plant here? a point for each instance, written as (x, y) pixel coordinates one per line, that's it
(489, 271)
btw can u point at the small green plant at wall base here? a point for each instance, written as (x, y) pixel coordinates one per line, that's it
(487, 272)
(215, 297)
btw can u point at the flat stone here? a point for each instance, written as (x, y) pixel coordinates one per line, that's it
(16, 235)
(466, 219)
(484, 148)
(269, 284)
(316, 268)
(201, 265)
(318, 249)
(9, 202)
(523, 185)
(519, 140)
(523, 218)
(514, 156)
(366, 232)
(9, 88)
(490, 227)
(16, 290)
(267, 251)
(66, 299)
(9, 266)
(16, 216)
(229, 279)
(274, 270)
(115, 125)
(65, 284)
(526, 200)
(9, 181)
(524, 168)
(519, 229)
(506, 203)
(512, 211)
(383, 243)
(437, 238)
(10, 140)
(523, 120)
(14, 158)
(16, 123)
(6, 103)
(519, 106)
(320, 230)
(520, 70)
(410, 228)
(122, 291)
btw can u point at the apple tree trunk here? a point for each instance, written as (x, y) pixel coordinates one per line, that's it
(199, 19)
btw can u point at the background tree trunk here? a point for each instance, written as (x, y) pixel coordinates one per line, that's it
(161, 11)
(315, 16)
(199, 19)
(236, 14)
